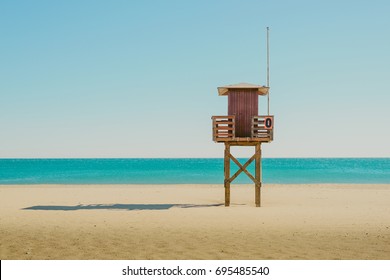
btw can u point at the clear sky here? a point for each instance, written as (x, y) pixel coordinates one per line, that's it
(139, 78)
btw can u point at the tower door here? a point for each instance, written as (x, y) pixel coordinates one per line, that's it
(243, 104)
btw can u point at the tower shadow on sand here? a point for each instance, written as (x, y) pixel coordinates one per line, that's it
(128, 207)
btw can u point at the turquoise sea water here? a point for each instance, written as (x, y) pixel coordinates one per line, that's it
(190, 171)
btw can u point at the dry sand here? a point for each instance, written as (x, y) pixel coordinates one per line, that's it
(190, 222)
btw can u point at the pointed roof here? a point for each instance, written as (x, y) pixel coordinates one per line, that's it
(261, 90)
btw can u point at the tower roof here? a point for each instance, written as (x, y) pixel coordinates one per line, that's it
(261, 90)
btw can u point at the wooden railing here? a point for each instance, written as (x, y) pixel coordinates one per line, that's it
(263, 127)
(223, 128)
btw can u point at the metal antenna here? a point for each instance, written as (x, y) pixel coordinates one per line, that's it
(268, 68)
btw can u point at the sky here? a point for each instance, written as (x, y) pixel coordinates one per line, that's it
(127, 79)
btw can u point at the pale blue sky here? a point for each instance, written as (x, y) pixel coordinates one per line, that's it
(139, 78)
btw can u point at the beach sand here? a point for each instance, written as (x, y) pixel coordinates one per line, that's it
(190, 222)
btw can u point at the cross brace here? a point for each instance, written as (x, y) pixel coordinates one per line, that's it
(242, 168)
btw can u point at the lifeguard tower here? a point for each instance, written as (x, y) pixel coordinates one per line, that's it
(243, 126)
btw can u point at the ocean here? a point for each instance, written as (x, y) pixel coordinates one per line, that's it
(191, 171)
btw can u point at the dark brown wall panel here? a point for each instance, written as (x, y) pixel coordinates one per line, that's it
(243, 103)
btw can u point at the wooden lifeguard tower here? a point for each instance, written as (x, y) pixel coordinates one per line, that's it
(243, 126)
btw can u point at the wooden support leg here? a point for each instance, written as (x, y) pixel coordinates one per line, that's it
(227, 174)
(258, 175)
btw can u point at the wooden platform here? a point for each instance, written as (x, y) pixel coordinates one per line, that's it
(224, 130)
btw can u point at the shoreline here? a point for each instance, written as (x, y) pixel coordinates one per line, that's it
(297, 221)
(219, 185)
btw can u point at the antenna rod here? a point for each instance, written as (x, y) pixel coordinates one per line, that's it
(268, 67)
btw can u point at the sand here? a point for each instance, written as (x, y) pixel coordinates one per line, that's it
(190, 222)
